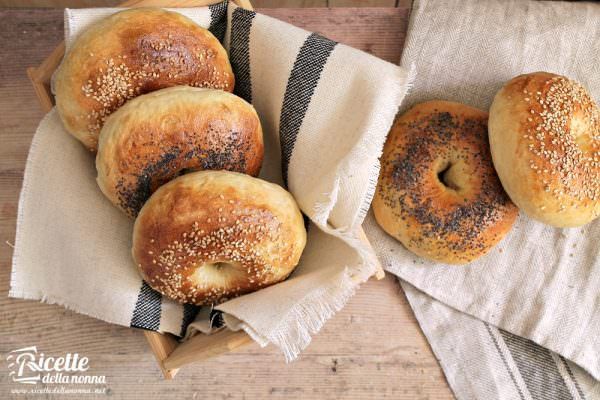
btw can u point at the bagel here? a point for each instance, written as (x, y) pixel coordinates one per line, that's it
(438, 193)
(130, 53)
(160, 135)
(209, 236)
(545, 143)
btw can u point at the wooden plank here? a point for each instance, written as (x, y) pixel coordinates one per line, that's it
(178, 3)
(113, 3)
(349, 359)
(362, 3)
(379, 31)
(370, 3)
(257, 3)
(204, 347)
(162, 347)
(58, 3)
(289, 3)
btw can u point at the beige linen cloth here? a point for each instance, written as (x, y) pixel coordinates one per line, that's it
(325, 110)
(492, 322)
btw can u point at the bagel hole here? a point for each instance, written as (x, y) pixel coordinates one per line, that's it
(445, 178)
(221, 265)
(218, 273)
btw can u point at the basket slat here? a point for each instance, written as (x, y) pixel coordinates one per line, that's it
(202, 347)
(162, 345)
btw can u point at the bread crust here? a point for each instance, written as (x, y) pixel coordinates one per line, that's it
(156, 137)
(251, 229)
(438, 193)
(125, 55)
(545, 143)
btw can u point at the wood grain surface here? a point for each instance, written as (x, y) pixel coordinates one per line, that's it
(256, 3)
(372, 349)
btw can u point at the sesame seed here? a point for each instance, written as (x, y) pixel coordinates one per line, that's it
(575, 172)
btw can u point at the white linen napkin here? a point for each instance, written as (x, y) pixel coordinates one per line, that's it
(540, 283)
(325, 110)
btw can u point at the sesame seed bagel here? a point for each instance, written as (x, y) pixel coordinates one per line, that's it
(545, 143)
(213, 235)
(129, 53)
(160, 135)
(438, 193)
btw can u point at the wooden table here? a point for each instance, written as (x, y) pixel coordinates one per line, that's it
(372, 349)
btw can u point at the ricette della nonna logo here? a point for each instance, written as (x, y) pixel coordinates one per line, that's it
(29, 366)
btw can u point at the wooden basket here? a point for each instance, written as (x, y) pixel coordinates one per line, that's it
(170, 354)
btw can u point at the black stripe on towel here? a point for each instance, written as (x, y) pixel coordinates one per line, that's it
(239, 51)
(572, 376)
(216, 319)
(189, 315)
(504, 360)
(218, 19)
(538, 369)
(146, 314)
(303, 80)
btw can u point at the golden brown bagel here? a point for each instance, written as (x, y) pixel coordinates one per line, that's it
(545, 142)
(438, 193)
(156, 137)
(130, 53)
(212, 235)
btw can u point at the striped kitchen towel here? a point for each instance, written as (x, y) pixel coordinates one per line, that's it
(523, 321)
(482, 361)
(325, 110)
